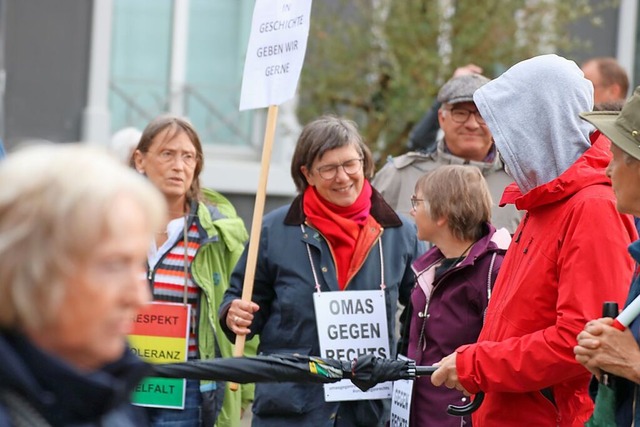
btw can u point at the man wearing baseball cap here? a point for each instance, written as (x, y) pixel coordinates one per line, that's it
(466, 140)
(602, 347)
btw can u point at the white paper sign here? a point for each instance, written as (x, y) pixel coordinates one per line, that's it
(350, 325)
(401, 401)
(278, 41)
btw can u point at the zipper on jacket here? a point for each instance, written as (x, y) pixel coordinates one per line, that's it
(203, 243)
(524, 224)
(633, 406)
(207, 297)
(526, 248)
(366, 257)
(333, 258)
(421, 314)
(424, 314)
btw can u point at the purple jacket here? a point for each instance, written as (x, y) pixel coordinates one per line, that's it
(454, 306)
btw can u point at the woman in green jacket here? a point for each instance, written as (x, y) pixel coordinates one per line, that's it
(170, 154)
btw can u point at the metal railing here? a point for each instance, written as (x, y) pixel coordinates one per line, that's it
(135, 111)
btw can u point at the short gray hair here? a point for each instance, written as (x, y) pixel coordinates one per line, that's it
(54, 207)
(325, 134)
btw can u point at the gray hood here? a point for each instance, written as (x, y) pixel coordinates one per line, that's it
(532, 110)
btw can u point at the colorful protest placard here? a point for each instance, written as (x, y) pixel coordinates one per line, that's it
(160, 335)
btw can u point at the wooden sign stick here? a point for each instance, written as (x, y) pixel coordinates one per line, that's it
(256, 223)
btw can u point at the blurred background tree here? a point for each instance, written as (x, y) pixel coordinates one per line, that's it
(381, 62)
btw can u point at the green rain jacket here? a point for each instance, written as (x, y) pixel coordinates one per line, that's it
(211, 269)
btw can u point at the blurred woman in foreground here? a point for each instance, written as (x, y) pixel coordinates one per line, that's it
(74, 231)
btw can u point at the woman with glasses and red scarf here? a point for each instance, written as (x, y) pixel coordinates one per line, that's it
(338, 235)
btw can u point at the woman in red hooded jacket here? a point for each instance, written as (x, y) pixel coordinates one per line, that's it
(568, 255)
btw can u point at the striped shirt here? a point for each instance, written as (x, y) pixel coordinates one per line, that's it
(168, 277)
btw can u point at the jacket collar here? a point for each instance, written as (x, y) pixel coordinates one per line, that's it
(493, 241)
(49, 383)
(586, 171)
(217, 219)
(486, 167)
(380, 211)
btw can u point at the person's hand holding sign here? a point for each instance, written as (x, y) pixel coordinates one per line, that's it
(240, 316)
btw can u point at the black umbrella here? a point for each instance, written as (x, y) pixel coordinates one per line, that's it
(369, 371)
(364, 372)
(258, 369)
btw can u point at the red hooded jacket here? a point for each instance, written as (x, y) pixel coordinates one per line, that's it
(568, 256)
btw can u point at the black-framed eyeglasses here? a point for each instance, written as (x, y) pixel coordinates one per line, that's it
(415, 202)
(461, 115)
(350, 167)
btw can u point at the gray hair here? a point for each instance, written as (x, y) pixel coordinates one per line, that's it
(174, 125)
(54, 208)
(324, 134)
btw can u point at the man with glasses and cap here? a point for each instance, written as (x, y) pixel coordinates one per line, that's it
(466, 141)
(601, 347)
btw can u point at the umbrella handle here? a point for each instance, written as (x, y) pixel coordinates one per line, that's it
(458, 411)
(609, 309)
(467, 409)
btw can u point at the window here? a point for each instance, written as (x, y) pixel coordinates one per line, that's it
(200, 79)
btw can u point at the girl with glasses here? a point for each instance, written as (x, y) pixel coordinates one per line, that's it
(452, 210)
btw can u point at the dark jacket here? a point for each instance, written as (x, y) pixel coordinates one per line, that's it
(447, 310)
(628, 411)
(284, 288)
(46, 388)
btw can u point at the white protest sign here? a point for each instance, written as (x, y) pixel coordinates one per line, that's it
(278, 41)
(350, 325)
(401, 401)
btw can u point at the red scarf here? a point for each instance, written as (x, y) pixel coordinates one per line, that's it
(340, 225)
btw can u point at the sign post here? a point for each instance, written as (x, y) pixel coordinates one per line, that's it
(275, 54)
